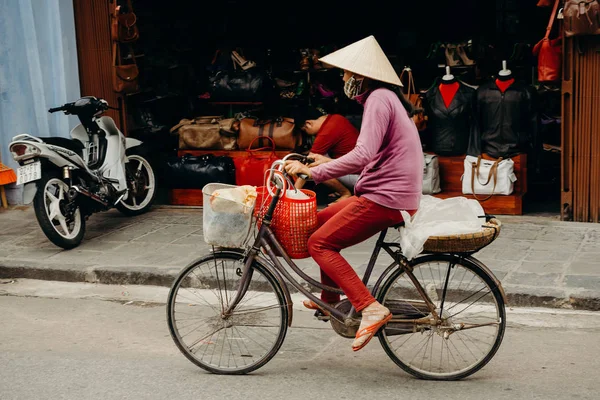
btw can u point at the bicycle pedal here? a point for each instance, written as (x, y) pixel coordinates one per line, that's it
(321, 317)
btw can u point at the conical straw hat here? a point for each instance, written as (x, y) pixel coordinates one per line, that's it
(365, 58)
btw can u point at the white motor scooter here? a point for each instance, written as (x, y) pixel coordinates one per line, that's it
(96, 170)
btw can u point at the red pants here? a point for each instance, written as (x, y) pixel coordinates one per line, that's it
(344, 224)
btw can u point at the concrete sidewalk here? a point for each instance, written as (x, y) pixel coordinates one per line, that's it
(541, 261)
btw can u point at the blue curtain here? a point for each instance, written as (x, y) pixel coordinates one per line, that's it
(38, 70)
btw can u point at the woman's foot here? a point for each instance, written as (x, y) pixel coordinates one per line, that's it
(374, 316)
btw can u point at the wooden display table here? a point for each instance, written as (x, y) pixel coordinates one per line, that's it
(452, 168)
(193, 197)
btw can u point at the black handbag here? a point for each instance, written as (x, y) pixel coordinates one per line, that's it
(237, 85)
(191, 172)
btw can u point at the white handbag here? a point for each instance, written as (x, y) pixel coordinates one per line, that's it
(431, 174)
(488, 177)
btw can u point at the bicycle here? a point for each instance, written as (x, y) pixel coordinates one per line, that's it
(228, 312)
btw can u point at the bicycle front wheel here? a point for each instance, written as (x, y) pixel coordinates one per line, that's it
(472, 313)
(240, 343)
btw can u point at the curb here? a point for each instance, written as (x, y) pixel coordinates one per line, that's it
(516, 296)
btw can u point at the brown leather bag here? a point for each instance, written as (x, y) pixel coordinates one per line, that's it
(229, 129)
(125, 76)
(420, 119)
(281, 130)
(124, 28)
(582, 17)
(199, 133)
(549, 53)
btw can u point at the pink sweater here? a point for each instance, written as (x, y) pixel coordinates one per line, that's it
(388, 155)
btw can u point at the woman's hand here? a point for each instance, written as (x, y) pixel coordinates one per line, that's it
(296, 167)
(319, 159)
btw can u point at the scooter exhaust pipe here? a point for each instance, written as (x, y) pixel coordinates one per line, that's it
(75, 190)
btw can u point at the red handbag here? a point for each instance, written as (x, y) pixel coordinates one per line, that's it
(544, 3)
(549, 53)
(250, 170)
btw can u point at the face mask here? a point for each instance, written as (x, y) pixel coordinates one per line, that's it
(352, 87)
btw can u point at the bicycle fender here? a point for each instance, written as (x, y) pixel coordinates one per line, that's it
(265, 264)
(491, 274)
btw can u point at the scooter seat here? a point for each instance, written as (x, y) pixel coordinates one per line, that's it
(69, 144)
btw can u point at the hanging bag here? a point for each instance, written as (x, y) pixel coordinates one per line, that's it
(125, 76)
(124, 28)
(431, 174)
(485, 177)
(581, 17)
(419, 118)
(549, 53)
(250, 170)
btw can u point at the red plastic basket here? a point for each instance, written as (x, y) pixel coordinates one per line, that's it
(293, 220)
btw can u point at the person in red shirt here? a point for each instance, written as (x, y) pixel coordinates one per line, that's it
(335, 137)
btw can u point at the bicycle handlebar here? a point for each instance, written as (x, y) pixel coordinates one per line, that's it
(279, 165)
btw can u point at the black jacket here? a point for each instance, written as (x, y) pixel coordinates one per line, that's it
(450, 128)
(507, 122)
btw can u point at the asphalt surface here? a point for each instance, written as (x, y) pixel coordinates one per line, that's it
(86, 341)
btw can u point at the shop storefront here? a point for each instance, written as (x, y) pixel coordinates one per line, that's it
(230, 59)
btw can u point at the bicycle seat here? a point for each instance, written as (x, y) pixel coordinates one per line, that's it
(400, 225)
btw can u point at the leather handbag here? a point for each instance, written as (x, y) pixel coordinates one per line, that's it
(420, 119)
(485, 177)
(549, 53)
(251, 170)
(124, 76)
(545, 3)
(229, 130)
(237, 85)
(123, 25)
(199, 133)
(190, 172)
(581, 17)
(279, 130)
(431, 174)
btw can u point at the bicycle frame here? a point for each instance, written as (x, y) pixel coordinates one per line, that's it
(266, 240)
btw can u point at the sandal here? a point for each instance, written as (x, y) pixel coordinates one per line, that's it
(371, 330)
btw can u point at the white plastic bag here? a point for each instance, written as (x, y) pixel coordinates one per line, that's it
(295, 194)
(435, 217)
(237, 200)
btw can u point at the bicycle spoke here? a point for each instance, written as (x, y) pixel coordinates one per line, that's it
(473, 302)
(204, 338)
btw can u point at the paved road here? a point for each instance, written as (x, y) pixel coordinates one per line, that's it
(86, 341)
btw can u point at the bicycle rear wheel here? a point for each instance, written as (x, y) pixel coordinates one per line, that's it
(473, 318)
(240, 343)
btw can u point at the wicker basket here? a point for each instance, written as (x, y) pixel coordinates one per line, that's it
(465, 243)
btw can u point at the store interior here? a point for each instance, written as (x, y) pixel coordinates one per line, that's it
(182, 47)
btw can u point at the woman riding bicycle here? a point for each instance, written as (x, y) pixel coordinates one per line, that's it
(389, 157)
